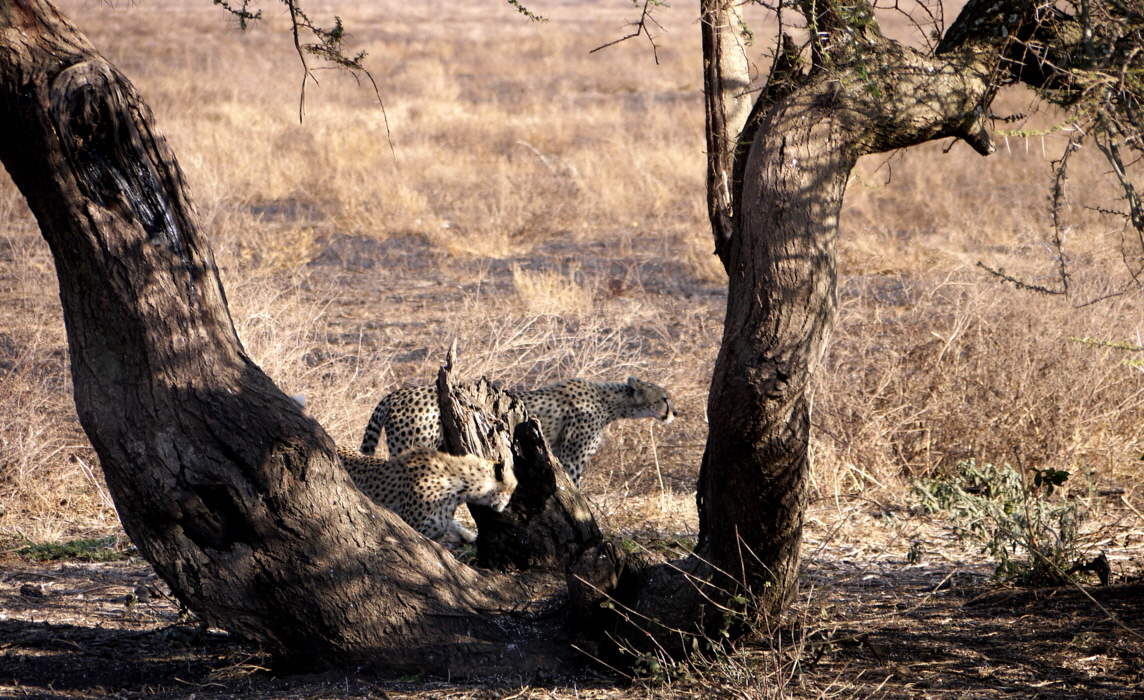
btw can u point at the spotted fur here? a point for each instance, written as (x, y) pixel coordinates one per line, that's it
(425, 487)
(572, 414)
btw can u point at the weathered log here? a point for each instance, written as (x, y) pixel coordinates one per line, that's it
(548, 523)
(476, 417)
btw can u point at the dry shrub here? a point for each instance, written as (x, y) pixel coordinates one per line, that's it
(552, 292)
(923, 374)
(50, 483)
(935, 360)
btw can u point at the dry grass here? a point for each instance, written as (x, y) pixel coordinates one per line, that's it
(546, 206)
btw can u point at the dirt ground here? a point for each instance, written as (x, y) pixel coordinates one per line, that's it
(868, 624)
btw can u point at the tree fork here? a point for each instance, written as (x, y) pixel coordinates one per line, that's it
(776, 233)
(860, 94)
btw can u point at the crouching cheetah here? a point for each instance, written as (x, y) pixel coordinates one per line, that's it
(425, 487)
(572, 414)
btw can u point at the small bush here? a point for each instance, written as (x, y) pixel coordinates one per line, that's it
(1032, 535)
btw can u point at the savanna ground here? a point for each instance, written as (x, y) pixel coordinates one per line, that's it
(546, 207)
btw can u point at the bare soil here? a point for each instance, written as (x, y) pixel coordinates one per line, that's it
(868, 624)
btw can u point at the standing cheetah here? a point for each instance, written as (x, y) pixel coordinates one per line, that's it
(425, 487)
(572, 414)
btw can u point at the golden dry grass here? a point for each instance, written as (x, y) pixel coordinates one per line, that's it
(546, 206)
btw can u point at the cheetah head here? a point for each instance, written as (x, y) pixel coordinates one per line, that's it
(506, 484)
(651, 400)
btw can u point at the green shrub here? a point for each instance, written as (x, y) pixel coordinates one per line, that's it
(1029, 529)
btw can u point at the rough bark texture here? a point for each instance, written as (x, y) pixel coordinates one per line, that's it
(548, 524)
(781, 298)
(860, 94)
(228, 489)
(476, 418)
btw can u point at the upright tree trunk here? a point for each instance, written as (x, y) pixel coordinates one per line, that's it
(860, 94)
(780, 308)
(548, 524)
(727, 104)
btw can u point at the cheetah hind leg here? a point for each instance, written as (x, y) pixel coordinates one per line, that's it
(461, 533)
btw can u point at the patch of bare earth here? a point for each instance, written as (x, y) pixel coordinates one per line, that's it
(942, 627)
(868, 624)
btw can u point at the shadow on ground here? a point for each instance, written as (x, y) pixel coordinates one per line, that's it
(73, 630)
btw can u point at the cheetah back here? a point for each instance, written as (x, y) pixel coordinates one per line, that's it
(573, 414)
(409, 417)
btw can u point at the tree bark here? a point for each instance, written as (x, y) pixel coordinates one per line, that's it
(548, 523)
(228, 489)
(727, 104)
(876, 96)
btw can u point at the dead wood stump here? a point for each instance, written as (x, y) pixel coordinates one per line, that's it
(548, 524)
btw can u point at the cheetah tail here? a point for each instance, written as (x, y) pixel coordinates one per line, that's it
(373, 429)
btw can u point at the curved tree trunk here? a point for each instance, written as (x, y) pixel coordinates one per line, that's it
(807, 132)
(229, 490)
(861, 94)
(781, 299)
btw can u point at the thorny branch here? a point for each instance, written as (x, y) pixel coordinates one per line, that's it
(640, 25)
(1107, 138)
(527, 12)
(1000, 273)
(328, 46)
(1057, 201)
(1086, 57)
(931, 22)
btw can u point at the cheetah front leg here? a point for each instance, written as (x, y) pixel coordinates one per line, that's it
(578, 443)
(461, 533)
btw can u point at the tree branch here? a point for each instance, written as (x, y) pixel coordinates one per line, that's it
(726, 90)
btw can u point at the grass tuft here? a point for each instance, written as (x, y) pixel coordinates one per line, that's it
(111, 548)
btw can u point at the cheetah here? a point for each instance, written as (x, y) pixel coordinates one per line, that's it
(572, 414)
(425, 487)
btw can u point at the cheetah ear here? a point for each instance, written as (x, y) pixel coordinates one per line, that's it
(633, 382)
